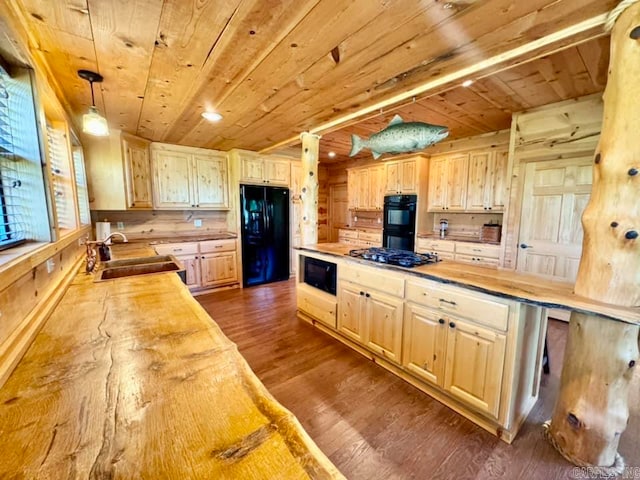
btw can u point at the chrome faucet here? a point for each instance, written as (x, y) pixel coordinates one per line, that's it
(124, 238)
(103, 248)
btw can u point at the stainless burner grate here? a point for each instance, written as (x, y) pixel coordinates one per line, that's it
(392, 256)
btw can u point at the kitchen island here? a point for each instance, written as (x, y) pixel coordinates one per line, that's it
(131, 378)
(471, 337)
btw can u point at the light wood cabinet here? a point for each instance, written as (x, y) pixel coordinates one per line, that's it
(172, 180)
(444, 249)
(487, 184)
(362, 238)
(189, 178)
(384, 324)
(319, 304)
(474, 365)
(218, 269)
(448, 183)
(135, 152)
(478, 254)
(211, 181)
(362, 184)
(118, 172)
(463, 357)
(425, 337)
(365, 188)
(192, 269)
(401, 177)
(371, 318)
(351, 311)
(376, 187)
(211, 263)
(260, 169)
(477, 353)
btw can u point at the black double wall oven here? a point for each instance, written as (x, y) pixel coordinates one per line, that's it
(399, 222)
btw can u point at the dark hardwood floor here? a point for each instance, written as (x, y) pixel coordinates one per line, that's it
(373, 425)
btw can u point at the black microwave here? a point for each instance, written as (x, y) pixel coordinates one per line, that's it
(320, 274)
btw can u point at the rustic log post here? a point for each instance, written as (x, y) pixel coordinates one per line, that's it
(591, 411)
(309, 184)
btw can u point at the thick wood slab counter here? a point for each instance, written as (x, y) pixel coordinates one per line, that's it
(507, 283)
(132, 379)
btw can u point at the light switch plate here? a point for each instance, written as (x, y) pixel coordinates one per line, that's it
(51, 265)
(197, 223)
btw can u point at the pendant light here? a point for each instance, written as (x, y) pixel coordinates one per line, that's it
(92, 122)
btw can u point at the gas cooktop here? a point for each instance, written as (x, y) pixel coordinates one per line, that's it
(392, 256)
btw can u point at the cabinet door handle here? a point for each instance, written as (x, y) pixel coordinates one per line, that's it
(177, 249)
(448, 301)
(367, 295)
(441, 321)
(452, 325)
(524, 245)
(361, 293)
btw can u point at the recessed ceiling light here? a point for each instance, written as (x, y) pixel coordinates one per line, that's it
(332, 154)
(212, 116)
(467, 83)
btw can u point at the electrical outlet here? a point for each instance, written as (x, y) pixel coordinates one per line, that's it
(51, 265)
(120, 225)
(197, 223)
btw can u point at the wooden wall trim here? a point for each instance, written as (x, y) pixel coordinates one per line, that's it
(18, 342)
(13, 270)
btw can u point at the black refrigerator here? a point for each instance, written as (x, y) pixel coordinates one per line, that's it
(265, 234)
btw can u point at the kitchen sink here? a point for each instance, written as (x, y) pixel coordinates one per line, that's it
(137, 266)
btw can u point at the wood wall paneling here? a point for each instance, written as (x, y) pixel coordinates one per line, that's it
(164, 223)
(26, 302)
(568, 129)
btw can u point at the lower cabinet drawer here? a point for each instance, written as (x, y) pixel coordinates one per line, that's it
(215, 246)
(373, 237)
(478, 250)
(186, 248)
(476, 260)
(376, 278)
(428, 245)
(318, 306)
(352, 234)
(480, 308)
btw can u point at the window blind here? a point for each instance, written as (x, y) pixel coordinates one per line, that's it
(13, 224)
(61, 179)
(81, 186)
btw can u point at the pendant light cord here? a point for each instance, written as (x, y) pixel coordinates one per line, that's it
(93, 101)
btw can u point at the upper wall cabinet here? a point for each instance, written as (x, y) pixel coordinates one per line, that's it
(401, 177)
(188, 177)
(135, 152)
(256, 168)
(365, 188)
(448, 183)
(487, 187)
(119, 173)
(470, 182)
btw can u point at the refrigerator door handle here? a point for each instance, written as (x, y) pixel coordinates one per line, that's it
(267, 221)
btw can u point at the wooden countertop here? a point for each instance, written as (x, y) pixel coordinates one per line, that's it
(131, 378)
(506, 283)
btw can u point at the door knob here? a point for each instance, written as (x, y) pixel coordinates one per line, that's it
(524, 245)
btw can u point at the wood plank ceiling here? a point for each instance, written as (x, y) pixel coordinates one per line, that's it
(275, 68)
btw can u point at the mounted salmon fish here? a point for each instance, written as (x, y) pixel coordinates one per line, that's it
(399, 137)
